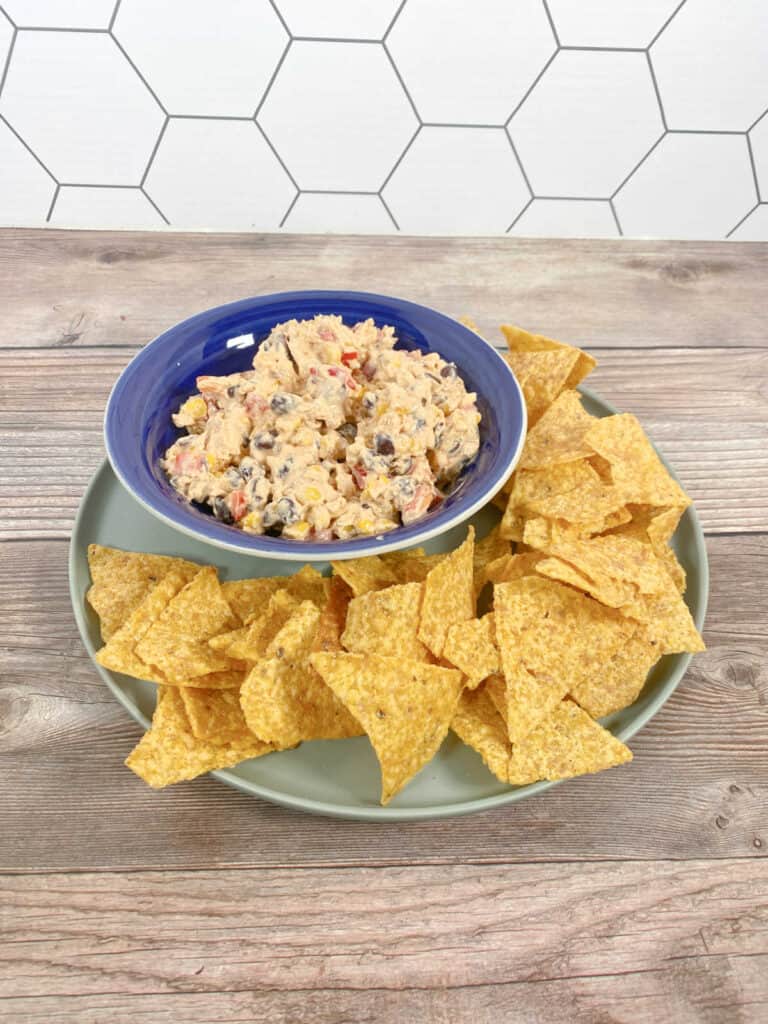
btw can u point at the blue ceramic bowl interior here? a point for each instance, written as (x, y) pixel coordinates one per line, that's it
(138, 427)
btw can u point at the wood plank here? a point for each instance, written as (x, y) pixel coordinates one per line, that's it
(69, 288)
(698, 785)
(706, 409)
(659, 940)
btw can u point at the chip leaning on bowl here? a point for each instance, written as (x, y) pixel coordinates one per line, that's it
(517, 642)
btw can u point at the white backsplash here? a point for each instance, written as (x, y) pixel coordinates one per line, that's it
(592, 118)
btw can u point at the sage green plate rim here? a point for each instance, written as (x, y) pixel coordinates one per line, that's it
(695, 564)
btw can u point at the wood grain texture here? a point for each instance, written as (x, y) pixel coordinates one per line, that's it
(707, 409)
(601, 942)
(698, 785)
(635, 897)
(70, 288)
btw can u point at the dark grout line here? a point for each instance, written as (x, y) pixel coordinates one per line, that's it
(334, 39)
(278, 157)
(517, 218)
(288, 211)
(282, 20)
(745, 217)
(31, 151)
(114, 16)
(751, 153)
(53, 203)
(138, 74)
(272, 78)
(52, 28)
(603, 49)
(403, 86)
(7, 65)
(153, 204)
(155, 148)
(519, 164)
(616, 218)
(392, 22)
(399, 159)
(391, 215)
(656, 90)
(531, 87)
(666, 23)
(551, 21)
(637, 167)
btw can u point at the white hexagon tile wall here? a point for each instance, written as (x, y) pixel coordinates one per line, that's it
(564, 118)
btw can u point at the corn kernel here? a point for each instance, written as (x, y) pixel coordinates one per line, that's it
(211, 460)
(251, 522)
(300, 529)
(365, 525)
(310, 494)
(194, 407)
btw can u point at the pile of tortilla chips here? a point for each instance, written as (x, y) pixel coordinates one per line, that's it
(517, 643)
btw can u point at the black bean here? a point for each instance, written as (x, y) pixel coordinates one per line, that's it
(287, 511)
(282, 403)
(348, 431)
(455, 447)
(263, 441)
(369, 401)
(221, 510)
(284, 468)
(402, 465)
(420, 423)
(246, 471)
(384, 444)
(449, 370)
(231, 390)
(233, 476)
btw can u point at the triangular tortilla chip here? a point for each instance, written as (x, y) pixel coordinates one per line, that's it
(471, 647)
(365, 574)
(541, 376)
(122, 579)
(333, 617)
(405, 707)
(386, 622)
(559, 436)
(619, 682)
(449, 595)
(215, 715)
(637, 471)
(492, 547)
(249, 597)
(170, 753)
(550, 638)
(284, 699)
(519, 340)
(565, 744)
(478, 724)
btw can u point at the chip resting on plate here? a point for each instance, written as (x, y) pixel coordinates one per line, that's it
(449, 595)
(122, 579)
(471, 647)
(386, 622)
(333, 617)
(283, 698)
(215, 715)
(478, 724)
(170, 752)
(559, 435)
(365, 574)
(405, 708)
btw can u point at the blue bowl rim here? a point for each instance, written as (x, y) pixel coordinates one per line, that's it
(260, 546)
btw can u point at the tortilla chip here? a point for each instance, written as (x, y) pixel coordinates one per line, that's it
(170, 753)
(231, 679)
(496, 688)
(541, 376)
(215, 715)
(519, 340)
(637, 471)
(565, 744)
(569, 491)
(333, 617)
(309, 585)
(122, 579)
(667, 621)
(492, 547)
(471, 647)
(405, 707)
(557, 569)
(251, 643)
(449, 595)
(386, 622)
(284, 699)
(514, 567)
(119, 653)
(365, 574)
(620, 681)
(619, 567)
(647, 523)
(559, 436)
(416, 569)
(249, 598)
(478, 724)
(550, 638)
(470, 323)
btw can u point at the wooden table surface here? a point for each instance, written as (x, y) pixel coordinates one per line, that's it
(640, 895)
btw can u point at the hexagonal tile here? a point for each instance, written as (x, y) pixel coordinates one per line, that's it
(339, 214)
(755, 227)
(60, 13)
(25, 188)
(111, 209)
(457, 181)
(470, 63)
(691, 186)
(338, 116)
(759, 140)
(213, 59)
(567, 218)
(79, 105)
(218, 175)
(586, 123)
(339, 19)
(609, 22)
(711, 65)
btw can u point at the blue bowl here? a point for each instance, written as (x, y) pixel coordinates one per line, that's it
(138, 427)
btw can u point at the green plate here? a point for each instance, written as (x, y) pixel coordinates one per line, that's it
(341, 777)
